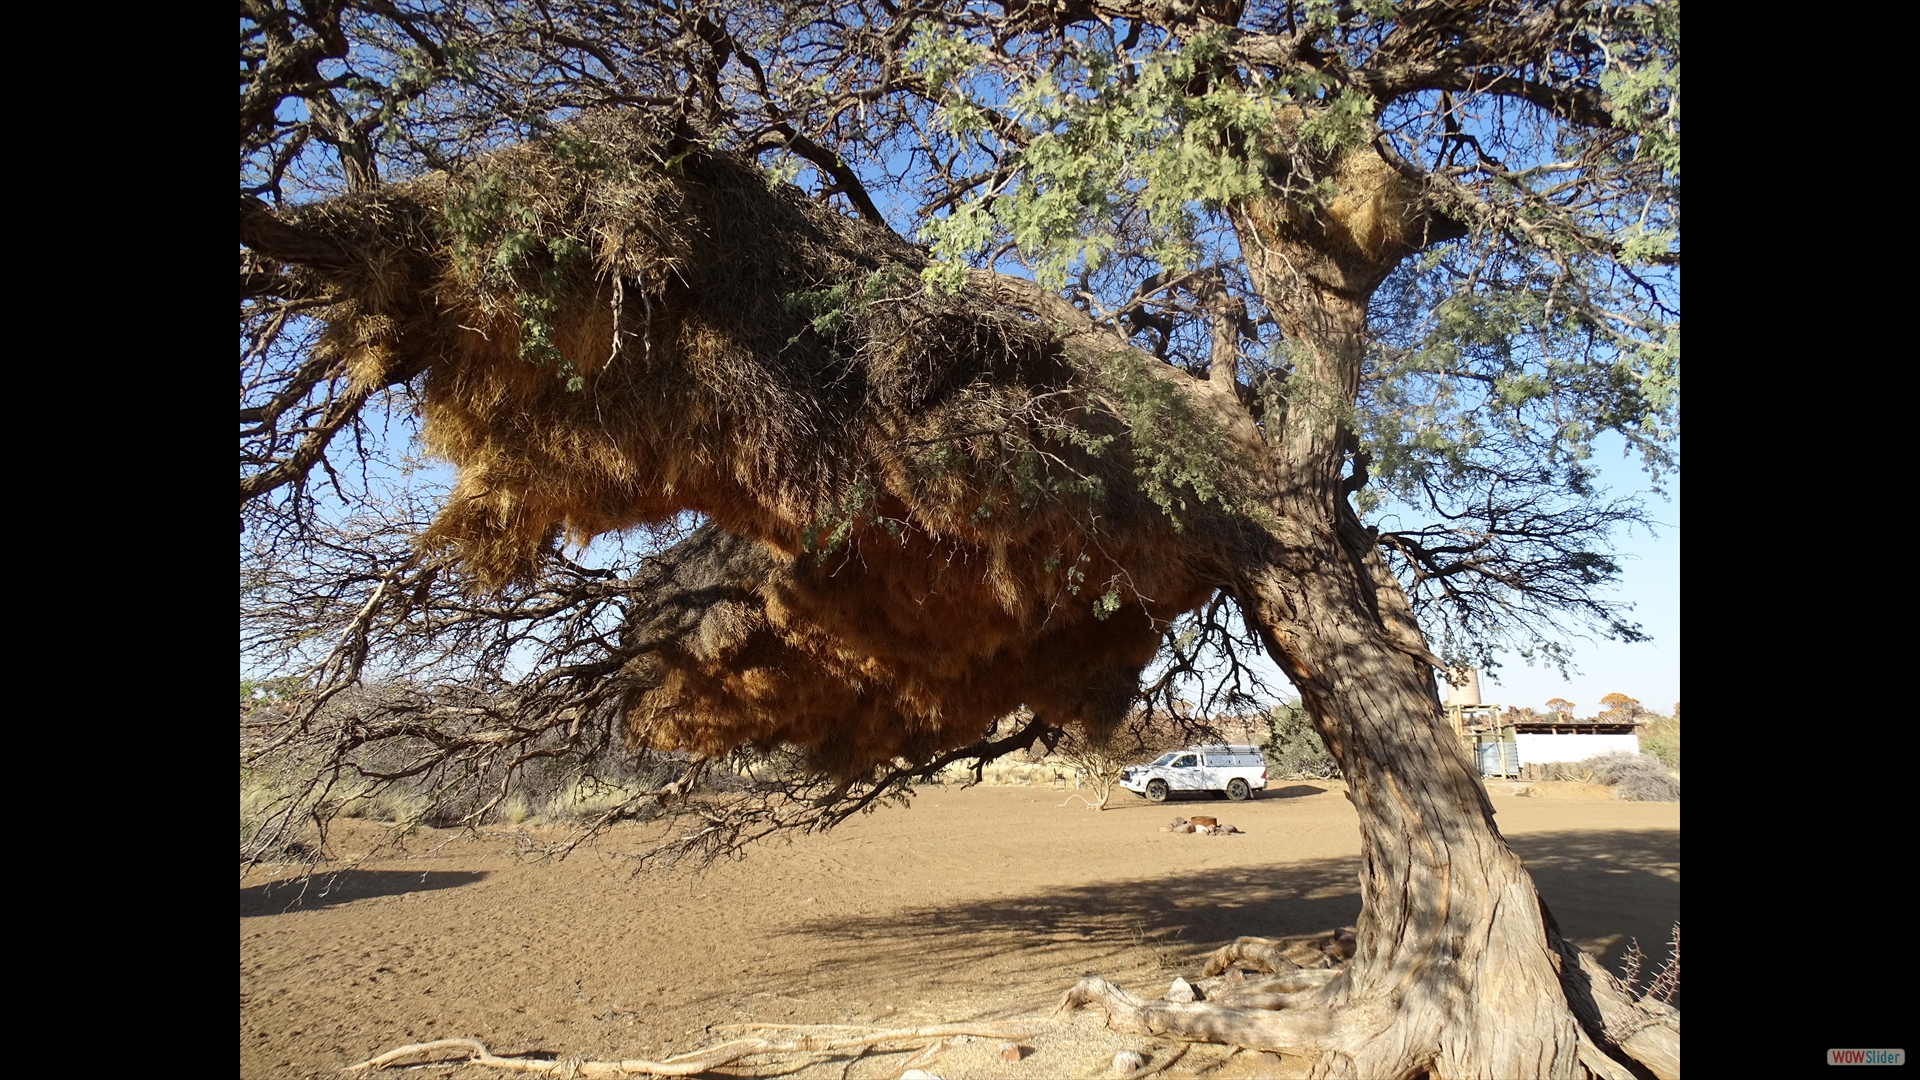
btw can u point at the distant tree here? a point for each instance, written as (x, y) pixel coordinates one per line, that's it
(1139, 738)
(1293, 748)
(1621, 705)
(1561, 707)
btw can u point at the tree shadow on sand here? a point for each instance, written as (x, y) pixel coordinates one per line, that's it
(1604, 888)
(329, 889)
(1123, 801)
(1291, 791)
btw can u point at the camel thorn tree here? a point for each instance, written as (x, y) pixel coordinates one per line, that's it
(1203, 287)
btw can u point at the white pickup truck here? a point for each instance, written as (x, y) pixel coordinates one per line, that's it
(1236, 771)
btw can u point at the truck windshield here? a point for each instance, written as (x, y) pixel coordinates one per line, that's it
(1165, 759)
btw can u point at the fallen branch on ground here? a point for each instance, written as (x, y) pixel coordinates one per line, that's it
(811, 1041)
(930, 1052)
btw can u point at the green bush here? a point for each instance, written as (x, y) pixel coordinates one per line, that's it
(1661, 738)
(1294, 751)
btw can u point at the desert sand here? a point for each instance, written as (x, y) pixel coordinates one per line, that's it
(973, 904)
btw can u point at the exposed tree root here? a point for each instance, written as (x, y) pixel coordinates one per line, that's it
(857, 1055)
(806, 1041)
(1286, 1014)
(1254, 1000)
(1244, 993)
(1646, 1031)
(1160, 1066)
(1249, 954)
(1303, 1029)
(1277, 955)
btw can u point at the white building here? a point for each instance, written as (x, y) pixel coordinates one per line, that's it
(1537, 747)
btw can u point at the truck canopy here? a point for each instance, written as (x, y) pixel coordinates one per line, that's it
(1232, 756)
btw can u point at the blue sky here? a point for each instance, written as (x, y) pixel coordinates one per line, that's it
(1647, 671)
(1650, 581)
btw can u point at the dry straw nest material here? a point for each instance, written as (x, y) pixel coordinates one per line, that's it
(926, 508)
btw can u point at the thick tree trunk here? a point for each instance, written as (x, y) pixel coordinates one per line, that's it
(1453, 961)
(1459, 971)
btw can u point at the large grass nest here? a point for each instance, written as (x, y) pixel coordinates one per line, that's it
(927, 510)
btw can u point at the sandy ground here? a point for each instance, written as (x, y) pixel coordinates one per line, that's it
(979, 904)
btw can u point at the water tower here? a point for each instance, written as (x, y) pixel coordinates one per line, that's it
(1463, 686)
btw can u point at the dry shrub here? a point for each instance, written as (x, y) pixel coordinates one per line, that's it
(1007, 773)
(436, 757)
(258, 797)
(400, 807)
(586, 799)
(1634, 777)
(1576, 772)
(1666, 981)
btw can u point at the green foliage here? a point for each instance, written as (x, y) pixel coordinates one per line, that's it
(825, 308)
(835, 521)
(1176, 451)
(1338, 125)
(1642, 80)
(1660, 737)
(1293, 749)
(1492, 364)
(499, 243)
(829, 310)
(1100, 146)
(269, 691)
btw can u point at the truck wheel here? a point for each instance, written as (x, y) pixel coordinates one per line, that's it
(1237, 790)
(1156, 791)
